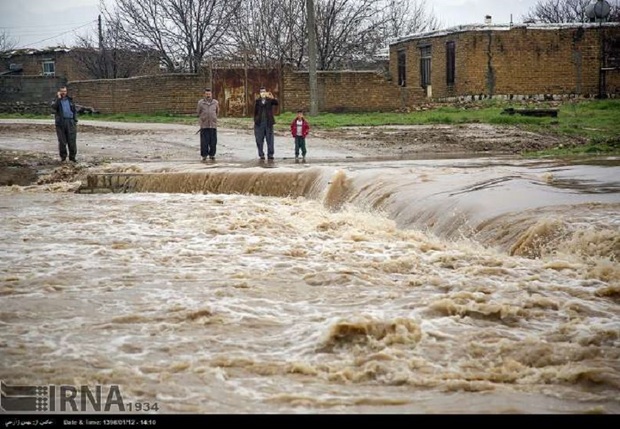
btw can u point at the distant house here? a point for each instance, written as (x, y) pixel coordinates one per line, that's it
(78, 63)
(495, 61)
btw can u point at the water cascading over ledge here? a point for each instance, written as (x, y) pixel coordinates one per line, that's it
(453, 210)
(262, 182)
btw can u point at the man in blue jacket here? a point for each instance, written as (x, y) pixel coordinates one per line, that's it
(65, 117)
(263, 123)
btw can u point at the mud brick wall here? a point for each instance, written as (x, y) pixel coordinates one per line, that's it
(178, 93)
(514, 61)
(346, 91)
(31, 89)
(170, 93)
(28, 94)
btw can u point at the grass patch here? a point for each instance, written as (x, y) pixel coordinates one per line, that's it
(162, 118)
(597, 146)
(595, 121)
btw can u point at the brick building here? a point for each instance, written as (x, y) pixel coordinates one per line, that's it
(497, 61)
(71, 63)
(29, 78)
(461, 63)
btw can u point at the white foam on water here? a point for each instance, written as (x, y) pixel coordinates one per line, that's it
(263, 297)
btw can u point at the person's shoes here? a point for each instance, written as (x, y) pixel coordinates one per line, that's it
(204, 158)
(212, 158)
(63, 159)
(73, 160)
(271, 158)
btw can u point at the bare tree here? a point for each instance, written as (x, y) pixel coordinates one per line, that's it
(557, 11)
(110, 57)
(354, 31)
(183, 31)
(7, 43)
(614, 15)
(347, 30)
(264, 32)
(269, 31)
(403, 17)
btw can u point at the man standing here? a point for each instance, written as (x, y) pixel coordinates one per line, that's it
(263, 122)
(65, 118)
(208, 110)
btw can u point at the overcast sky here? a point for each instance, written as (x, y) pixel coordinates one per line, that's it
(45, 23)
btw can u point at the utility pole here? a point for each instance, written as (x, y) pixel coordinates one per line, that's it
(100, 32)
(311, 23)
(245, 82)
(104, 66)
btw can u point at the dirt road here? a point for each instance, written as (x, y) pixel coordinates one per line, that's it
(29, 154)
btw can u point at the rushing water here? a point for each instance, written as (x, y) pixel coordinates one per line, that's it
(444, 286)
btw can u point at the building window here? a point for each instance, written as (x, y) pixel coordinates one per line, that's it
(425, 66)
(49, 68)
(402, 68)
(450, 63)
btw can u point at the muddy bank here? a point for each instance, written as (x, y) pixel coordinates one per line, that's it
(30, 168)
(28, 148)
(465, 138)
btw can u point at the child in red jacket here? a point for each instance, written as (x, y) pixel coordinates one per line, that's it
(300, 129)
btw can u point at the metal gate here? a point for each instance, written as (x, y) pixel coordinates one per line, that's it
(236, 88)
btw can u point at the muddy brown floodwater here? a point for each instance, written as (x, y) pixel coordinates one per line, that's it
(397, 270)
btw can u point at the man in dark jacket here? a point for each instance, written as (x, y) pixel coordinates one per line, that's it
(65, 116)
(263, 122)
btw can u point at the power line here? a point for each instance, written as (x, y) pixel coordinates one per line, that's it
(58, 35)
(40, 33)
(66, 24)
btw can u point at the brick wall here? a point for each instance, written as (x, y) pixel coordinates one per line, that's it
(178, 94)
(166, 93)
(348, 91)
(517, 61)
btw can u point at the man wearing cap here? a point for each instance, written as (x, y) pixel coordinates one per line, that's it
(208, 109)
(263, 122)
